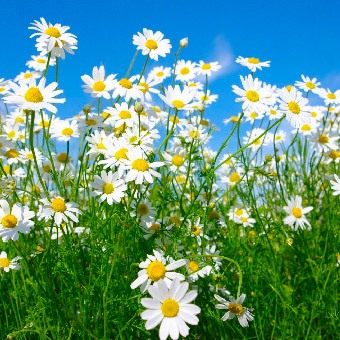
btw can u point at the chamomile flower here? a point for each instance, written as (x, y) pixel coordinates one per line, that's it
(296, 214)
(170, 307)
(336, 185)
(97, 142)
(53, 38)
(59, 210)
(26, 76)
(156, 267)
(175, 161)
(147, 86)
(324, 141)
(254, 137)
(39, 62)
(63, 130)
(108, 186)
(328, 96)
(152, 44)
(34, 97)
(252, 63)
(307, 84)
(26, 156)
(185, 70)
(235, 308)
(254, 96)
(177, 99)
(99, 85)
(140, 169)
(294, 105)
(127, 88)
(160, 73)
(13, 220)
(4, 86)
(206, 68)
(6, 264)
(122, 114)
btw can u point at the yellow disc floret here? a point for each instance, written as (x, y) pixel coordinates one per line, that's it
(124, 82)
(58, 205)
(253, 60)
(170, 308)
(99, 86)
(235, 308)
(67, 132)
(4, 262)
(9, 221)
(156, 270)
(177, 160)
(33, 95)
(178, 104)
(53, 32)
(253, 96)
(297, 212)
(108, 188)
(294, 107)
(151, 44)
(140, 164)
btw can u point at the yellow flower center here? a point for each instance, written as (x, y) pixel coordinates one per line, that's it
(160, 74)
(170, 308)
(194, 134)
(11, 134)
(238, 212)
(193, 266)
(67, 132)
(47, 168)
(206, 66)
(235, 308)
(297, 212)
(2, 89)
(62, 157)
(234, 119)
(323, 139)
(155, 227)
(33, 95)
(253, 96)
(174, 119)
(310, 85)
(334, 154)
(99, 86)
(108, 188)
(235, 177)
(289, 87)
(145, 87)
(142, 209)
(53, 32)
(41, 61)
(28, 75)
(4, 262)
(124, 114)
(178, 104)
(331, 96)
(19, 120)
(9, 221)
(306, 127)
(177, 160)
(121, 153)
(151, 44)
(12, 153)
(254, 60)
(253, 115)
(101, 146)
(294, 107)
(184, 71)
(7, 169)
(29, 155)
(140, 164)
(105, 114)
(125, 83)
(58, 205)
(244, 219)
(273, 112)
(213, 215)
(196, 230)
(156, 270)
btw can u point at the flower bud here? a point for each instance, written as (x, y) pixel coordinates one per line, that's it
(183, 42)
(138, 107)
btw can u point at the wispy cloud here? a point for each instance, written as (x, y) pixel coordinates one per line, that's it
(331, 80)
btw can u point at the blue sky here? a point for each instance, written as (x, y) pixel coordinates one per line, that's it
(299, 37)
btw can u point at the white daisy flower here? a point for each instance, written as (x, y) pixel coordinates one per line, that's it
(152, 44)
(39, 62)
(127, 89)
(122, 114)
(59, 210)
(4, 86)
(99, 85)
(170, 307)
(34, 97)
(108, 186)
(63, 130)
(14, 220)
(336, 185)
(296, 212)
(155, 268)
(178, 99)
(307, 84)
(235, 308)
(185, 70)
(6, 264)
(324, 141)
(160, 73)
(328, 96)
(206, 68)
(53, 38)
(26, 156)
(252, 63)
(26, 76)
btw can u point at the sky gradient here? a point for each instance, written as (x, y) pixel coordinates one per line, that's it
(298, 37)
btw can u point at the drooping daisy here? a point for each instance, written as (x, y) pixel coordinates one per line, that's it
(12, 156)
(179, 100)
(39, 62)
(336, 185)
(170, 307)
(206, 68)
(53, 38)
(152, 43)
(13, 220)
(294, 105)
(6, 264)
(140, 169)
(59, 210)
(63, 130)
(307, 84)
(296, 214)
(34, 97)
(235, 308)
(252, 63)
(108, 186)
(99, 85)
(157, 267)
(253, 95)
